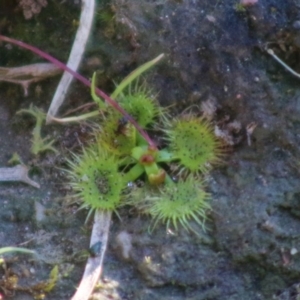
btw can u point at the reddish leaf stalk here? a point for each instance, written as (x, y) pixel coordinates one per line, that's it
(86, 82)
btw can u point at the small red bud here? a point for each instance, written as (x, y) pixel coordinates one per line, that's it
(147, 159)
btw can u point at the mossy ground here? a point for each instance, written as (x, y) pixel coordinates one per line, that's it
(213, 52)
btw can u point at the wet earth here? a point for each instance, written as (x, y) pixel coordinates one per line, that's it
(216, 56)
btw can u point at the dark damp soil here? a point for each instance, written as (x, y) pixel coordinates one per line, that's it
(215, 53)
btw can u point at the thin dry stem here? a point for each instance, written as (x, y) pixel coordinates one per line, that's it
(17, 173)
(82, 35)
(93, 267)
(28, 74)
(271, 52)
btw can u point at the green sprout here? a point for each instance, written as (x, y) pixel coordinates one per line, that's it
(5, 250)
(39, 144)
(15, 159)
(120, 156)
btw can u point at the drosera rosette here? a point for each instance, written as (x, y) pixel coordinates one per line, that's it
(192, 142)
(95, 179)
(174, 204)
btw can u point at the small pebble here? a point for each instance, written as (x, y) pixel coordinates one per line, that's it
(293, 251)
(124, 243)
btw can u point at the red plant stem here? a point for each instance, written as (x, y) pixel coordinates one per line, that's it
(86, 82)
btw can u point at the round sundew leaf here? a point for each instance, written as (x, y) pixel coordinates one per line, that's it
(141, 106)
(180, 203)
(193, 143)
(96, 180)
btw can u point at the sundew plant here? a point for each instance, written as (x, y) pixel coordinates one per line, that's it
(103, 176)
